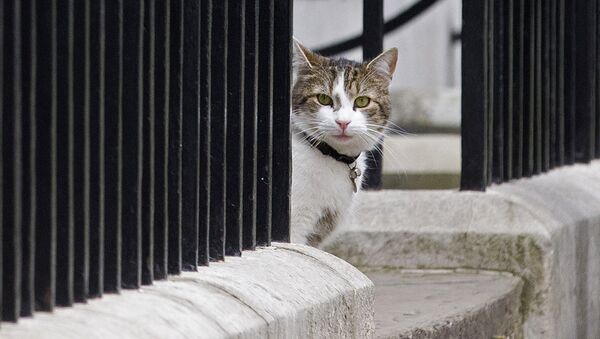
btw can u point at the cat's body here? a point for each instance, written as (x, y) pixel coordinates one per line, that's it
(321, 192)
(340, 109)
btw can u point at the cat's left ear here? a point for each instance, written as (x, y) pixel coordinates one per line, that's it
(385, 62)
(305, 57)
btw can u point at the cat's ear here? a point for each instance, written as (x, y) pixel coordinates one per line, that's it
(385, 62)
(305, 57)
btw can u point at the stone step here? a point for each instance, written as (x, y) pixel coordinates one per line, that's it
(544, 230)
(446, 304)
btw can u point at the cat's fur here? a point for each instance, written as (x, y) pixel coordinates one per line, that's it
(322, 192)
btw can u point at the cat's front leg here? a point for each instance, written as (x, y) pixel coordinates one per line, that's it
(302, 225)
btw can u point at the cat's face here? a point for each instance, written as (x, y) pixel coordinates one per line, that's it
(341, 102)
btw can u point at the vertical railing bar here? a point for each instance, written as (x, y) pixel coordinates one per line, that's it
(81, 149)
(12, 165)
(205, 135)
(282, 82)
(586, 80)
(529, 86)
(28, 64)
(597, 91)
(218, 126)
(546, 108)
(161, 134)
(560, 90)
(96, 64)
(539, 85)
(497, 92)
(553, 139)
(265, 124)
(190, 135)
(65, 201)
(45, 245)
(2, 48)
(509, 85)
(235, 127)
(174, 185)
(569, 74)
(113, 134)
(519, 85)
(372, 46)
(132, 147)
(149, 151)
(474, 126)
(490, 90)
(250, 123)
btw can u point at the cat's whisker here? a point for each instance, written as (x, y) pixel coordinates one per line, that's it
(305, 131)
(390, 130)
(398, 129)
(391, 153)
(378, 133)
(375, 138)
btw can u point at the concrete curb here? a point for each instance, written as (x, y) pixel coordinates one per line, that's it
(545, 230)
(283, 291)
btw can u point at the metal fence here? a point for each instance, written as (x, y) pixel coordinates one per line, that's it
(530, 87)
(138, 139)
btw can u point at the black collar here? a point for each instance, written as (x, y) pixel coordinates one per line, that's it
(326, 149)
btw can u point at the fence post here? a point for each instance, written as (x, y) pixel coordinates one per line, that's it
(235, 127)
(282, 82)
(250, 123)
(474, 125)
(161, 137)
(218, 142)
(585, 103)
(205, 133)
(372, 47)
(190, 175)
(174, 165)
(264, 164)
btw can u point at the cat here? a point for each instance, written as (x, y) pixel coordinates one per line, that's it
(340, 109)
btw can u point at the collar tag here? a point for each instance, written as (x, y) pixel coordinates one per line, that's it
(354, 174)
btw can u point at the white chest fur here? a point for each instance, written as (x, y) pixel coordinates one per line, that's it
(319, 184)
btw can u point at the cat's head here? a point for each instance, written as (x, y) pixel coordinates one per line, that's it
(341, 102)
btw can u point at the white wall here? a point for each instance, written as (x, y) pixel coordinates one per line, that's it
(426, 58)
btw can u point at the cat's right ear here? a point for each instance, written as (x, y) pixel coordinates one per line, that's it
(305, 57)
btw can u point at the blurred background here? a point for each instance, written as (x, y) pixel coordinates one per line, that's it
(424, 153)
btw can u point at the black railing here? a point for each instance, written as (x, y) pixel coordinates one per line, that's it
(139, 138)
(396, 22)
(530, 88)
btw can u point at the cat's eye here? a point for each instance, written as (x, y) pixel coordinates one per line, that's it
(324, 99)
(362, 102)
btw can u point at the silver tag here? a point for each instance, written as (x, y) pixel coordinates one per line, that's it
(354, 174)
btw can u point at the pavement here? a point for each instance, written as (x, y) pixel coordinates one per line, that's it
(445, 304)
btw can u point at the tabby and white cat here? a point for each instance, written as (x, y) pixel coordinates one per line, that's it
(339, 111)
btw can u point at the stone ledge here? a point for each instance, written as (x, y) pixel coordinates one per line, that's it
(544, 229)
(283, 291)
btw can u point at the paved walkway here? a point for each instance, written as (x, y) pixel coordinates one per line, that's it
(445, 304)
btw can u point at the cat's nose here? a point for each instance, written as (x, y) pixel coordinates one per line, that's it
(343, 124)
